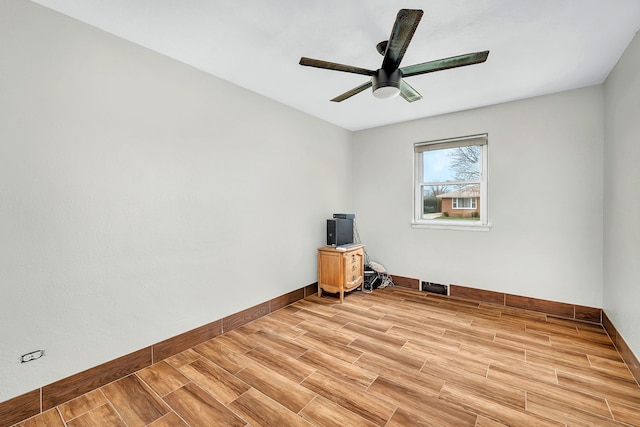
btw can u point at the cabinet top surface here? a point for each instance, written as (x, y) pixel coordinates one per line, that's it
(342, 249)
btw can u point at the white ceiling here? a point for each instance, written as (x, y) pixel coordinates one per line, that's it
(537, 47)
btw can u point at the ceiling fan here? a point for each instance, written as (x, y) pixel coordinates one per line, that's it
(388, 81)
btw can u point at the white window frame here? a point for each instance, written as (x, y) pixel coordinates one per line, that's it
(483, 223)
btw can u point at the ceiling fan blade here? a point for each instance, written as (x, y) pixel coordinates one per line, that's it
(354, 91)
(405, 26)
(445, 63)
(408, 92)
(317, 63)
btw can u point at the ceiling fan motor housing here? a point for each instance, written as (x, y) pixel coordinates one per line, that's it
(386, 84)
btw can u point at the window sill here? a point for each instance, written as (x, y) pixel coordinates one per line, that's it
(460, 226)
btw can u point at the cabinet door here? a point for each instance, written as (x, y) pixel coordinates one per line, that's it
(329, 270)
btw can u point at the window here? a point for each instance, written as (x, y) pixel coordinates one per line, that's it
(464, 203)
(451, 183)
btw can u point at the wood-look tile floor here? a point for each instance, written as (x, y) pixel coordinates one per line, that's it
(394, 357)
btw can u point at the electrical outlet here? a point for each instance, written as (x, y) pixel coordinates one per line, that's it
(31, 356)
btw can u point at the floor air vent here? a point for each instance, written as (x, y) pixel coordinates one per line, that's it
(435, 288)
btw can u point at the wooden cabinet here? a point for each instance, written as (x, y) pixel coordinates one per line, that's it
(340, 271)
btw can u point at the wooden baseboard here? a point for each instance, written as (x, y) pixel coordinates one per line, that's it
(627, 355)
(405, 282)
(552, 308)
(37, 401)
(20, 408)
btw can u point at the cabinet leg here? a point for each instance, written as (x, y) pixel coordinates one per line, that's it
(341, 296)
(319, 291)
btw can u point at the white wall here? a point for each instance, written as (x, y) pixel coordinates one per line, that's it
(545, 199)
(141, 198)
(622, 196)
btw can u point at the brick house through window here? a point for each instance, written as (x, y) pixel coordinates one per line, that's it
(461, 203)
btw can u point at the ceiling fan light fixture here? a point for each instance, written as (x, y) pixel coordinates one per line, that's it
(386, 92)
(386, 85)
